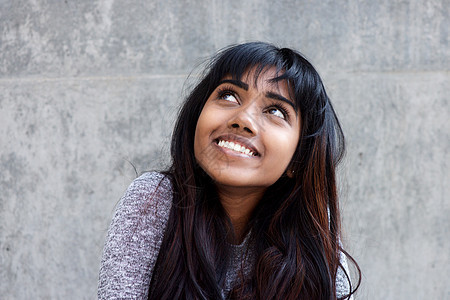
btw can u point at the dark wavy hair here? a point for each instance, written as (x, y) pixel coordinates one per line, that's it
(296, 225)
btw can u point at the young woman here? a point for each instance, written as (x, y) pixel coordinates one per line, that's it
(249, 207)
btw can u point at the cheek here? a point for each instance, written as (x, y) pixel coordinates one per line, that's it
(197, 140)
(283, 148)
(201, 138)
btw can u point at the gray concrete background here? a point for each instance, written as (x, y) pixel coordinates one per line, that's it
(86, 86)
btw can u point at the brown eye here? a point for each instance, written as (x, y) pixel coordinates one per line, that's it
(277, 112)
(228, 95)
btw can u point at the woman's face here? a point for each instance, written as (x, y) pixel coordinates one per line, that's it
(247, 134)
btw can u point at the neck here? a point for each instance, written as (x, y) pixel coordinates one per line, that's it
(239, 204)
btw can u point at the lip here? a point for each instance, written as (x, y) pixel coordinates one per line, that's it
(240, 140)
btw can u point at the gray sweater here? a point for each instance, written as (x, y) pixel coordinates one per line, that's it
(135, 236)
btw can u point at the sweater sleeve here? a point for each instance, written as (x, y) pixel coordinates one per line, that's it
(134, 238)
(342, 282)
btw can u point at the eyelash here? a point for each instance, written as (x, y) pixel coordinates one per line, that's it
(281, 108)
(223, 91)
(226, 90)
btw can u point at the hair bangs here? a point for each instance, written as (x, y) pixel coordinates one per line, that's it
(237, 61)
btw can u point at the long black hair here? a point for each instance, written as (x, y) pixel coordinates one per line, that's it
(296, 225)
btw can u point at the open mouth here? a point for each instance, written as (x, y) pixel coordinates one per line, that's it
(237, 147)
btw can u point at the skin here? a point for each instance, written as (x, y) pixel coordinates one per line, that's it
(261, 118)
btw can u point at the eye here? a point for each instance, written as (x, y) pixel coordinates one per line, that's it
(277, 111)
(228, 95)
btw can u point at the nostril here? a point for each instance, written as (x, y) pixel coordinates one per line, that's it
(236, 125)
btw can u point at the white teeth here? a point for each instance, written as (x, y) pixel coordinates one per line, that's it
(235, 147)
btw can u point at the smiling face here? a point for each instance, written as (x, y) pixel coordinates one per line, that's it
(247, 134)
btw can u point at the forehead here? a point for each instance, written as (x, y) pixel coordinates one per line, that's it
(267, 78)
(255, 76)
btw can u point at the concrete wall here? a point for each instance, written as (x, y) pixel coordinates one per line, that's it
(86, 86)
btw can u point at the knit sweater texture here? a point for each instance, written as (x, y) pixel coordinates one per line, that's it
(135, 236)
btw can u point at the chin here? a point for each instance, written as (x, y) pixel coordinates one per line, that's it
(241, 179)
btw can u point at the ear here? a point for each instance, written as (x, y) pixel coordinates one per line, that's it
(290, 170)
(290, 173)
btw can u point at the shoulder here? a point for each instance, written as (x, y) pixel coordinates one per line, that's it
(143, 211)
(151, 183)
(150, 193)
(144, 208)
(134, 238)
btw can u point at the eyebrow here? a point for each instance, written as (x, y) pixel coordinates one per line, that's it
(238, 83)
(281, 98)
(272, 95)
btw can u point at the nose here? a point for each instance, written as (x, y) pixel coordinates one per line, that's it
(245, 120)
